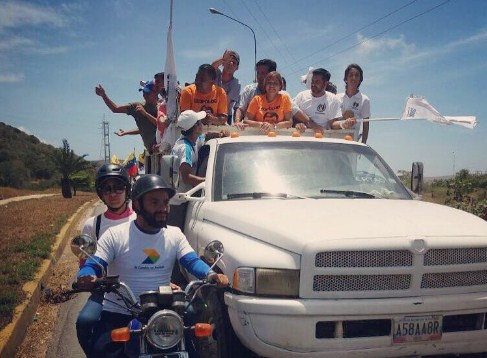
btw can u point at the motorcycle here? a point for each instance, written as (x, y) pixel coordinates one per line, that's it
(158, 326)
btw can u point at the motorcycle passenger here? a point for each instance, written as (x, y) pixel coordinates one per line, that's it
(142, 253)
(112, 185)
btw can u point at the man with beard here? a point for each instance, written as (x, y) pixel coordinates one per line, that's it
(142, 252)
(320, 107)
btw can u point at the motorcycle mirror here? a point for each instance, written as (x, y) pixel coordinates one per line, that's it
(83, 246)
(213, 251)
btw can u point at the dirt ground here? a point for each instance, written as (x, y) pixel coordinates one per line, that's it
(24, 219)
(39, 334)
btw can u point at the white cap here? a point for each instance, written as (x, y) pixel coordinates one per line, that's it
(188, 118)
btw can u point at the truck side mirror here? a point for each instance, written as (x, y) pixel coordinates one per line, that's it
(417, 178)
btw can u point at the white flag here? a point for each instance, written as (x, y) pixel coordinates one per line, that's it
(419, 108)
(171, 83)
(306, 78)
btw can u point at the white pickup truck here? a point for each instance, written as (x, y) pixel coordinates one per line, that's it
(329, 255)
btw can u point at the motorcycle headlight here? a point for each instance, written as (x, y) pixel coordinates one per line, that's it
(267, 282)
(165, 329)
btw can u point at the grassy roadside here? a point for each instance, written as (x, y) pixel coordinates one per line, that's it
(29, 229)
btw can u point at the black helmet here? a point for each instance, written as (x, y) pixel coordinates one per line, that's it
(108, 171)
(150, 182)
(111, 171)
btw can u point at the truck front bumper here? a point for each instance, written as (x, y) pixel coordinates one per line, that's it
(291, 327)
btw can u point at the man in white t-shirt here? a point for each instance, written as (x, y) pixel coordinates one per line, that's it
(320, 107)
(142, 252)
(353, 103)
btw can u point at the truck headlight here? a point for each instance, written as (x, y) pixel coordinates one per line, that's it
(266, 281)
(165, 329)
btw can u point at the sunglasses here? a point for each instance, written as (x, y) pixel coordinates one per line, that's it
(116, 188)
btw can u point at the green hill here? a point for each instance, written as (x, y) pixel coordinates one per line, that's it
(26, 162)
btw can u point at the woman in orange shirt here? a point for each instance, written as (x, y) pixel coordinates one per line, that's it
(272, 109)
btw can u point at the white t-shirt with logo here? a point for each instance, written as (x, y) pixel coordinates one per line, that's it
(360, 105)
(320, 109)
(143, 261)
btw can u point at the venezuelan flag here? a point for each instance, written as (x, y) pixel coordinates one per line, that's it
(130, 164)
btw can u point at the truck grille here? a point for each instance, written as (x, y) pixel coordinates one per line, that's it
(386, 258)
(437, 257)
(361, 282)
(396, 273)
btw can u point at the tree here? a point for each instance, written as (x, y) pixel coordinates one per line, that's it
(68, 163)
(405, 177)
(461, 194)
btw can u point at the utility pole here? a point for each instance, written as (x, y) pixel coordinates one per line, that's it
(106, 139)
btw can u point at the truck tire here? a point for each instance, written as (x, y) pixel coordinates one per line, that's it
(223, 343)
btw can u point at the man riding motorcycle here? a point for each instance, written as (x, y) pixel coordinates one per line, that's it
(142, 253)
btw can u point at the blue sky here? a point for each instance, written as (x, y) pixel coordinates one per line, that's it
(53, 54)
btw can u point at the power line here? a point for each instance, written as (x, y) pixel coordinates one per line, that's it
(269, 22)
(355, 32)
(263, 31)
(379, 34)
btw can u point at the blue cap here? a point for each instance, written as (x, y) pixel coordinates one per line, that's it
(148, 87)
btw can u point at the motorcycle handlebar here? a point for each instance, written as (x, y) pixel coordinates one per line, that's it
(104, 284)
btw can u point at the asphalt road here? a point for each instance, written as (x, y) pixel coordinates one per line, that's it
(64, 342)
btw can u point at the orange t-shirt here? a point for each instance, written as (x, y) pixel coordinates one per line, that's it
(272, 112)
(214, 102)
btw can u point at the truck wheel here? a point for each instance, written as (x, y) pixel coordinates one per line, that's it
(223, 343)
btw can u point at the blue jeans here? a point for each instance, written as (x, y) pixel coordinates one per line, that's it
(102, 342)
(87, 318)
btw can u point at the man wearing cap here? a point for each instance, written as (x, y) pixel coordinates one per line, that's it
(186, 148)
(225, 78)
(205, 95)
(145, 114)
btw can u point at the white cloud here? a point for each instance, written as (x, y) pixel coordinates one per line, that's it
(17, 14)
(367, 46)
(15, 42)
(28, 132)
(25, 130)
(11, 77)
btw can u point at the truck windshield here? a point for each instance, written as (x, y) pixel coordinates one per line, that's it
(304, 169)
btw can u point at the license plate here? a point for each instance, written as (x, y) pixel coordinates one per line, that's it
(417, 329)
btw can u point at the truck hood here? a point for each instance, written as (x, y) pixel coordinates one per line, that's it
(294, 223)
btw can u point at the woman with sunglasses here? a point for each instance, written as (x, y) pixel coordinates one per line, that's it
(112, 185)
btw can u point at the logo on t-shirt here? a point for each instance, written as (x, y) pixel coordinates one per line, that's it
(321, 107)
(355, 105)
(152, 256)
